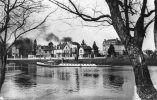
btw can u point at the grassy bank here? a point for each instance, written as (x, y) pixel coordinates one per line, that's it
(115, 61)
(104, 61)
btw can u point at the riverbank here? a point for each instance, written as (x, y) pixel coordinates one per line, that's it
(115, 61)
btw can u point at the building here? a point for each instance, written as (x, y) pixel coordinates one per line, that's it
(62, 50)
(15, 51)
(119, 47)
(40, 51)
(44, 51)
(85, 51)
(74, 48)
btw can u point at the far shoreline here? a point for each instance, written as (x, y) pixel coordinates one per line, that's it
(114, 61)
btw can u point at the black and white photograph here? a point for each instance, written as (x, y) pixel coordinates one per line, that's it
(78, 49)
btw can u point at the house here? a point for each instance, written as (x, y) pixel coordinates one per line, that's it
(85, 51)
(44, 51)
(40, 51)
(14, 51)
(62, 50)
(74, 48)
(48, 51)
(119, 47)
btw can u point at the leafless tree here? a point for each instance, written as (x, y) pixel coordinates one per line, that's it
(126, 16)
(155, 25)
(16, 20)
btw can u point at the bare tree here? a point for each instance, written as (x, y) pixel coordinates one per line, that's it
(122, 13)
(155, 25)
(16, 20)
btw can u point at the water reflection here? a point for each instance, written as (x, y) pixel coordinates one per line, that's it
(112, 81)
(63, 75)
(27, 79)
(82, 83)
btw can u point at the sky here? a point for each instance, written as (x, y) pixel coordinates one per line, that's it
(64, 24)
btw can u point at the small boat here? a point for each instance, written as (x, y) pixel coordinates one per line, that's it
(52, 64)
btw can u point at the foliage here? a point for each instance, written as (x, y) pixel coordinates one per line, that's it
(149, 52)
(25, 46)
(50, 44)
(35, 47)
(111, 50)
(96, 49)
(83, 43)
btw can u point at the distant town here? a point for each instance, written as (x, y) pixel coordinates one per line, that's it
(26, 48)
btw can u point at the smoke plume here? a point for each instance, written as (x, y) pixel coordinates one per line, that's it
(51, 36)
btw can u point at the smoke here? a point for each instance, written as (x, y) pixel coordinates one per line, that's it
(67, 39)
(51, 36)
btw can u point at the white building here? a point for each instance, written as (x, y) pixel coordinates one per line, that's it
(119, 47)
(62, 50)
(85, 51)
(15, 51)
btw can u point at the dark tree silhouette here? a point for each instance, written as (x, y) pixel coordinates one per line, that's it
(149, 52)
(51, 47)
(96, 49)
(155, 25)
(25, 46)
(35, 47)
(111, 50)
(77, 50)
(83, 43)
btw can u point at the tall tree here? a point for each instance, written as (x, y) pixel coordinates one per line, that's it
(155, 25)
(122, 13)
(35, 47)
(96, 49)
(83, 43)
(15, 20)
(111, 50)
(25, 46)
(51, 47)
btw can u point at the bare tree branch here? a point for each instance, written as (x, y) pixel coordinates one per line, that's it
(83, 16)
(149, 13)
(35, 27)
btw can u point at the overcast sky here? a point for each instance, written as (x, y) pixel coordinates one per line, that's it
(76, 28)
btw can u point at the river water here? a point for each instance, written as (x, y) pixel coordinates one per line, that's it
(32, 82)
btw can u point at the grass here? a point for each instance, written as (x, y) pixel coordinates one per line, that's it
(115, 61)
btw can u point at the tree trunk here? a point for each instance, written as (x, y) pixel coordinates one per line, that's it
(2, 76)
(3, 65)
(145, 88)
(133, 45)
(155, 25)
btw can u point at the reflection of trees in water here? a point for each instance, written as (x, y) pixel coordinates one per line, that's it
(112, 81)
(2, 78)
(90, 72)
(77, 80)
(29, 69)
(63, 75)
(28, 77)
(25, 81)
(49, 73)
(94, 75)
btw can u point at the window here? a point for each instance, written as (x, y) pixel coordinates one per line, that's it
(80, 51)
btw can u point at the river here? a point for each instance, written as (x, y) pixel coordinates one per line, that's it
(32, 82)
